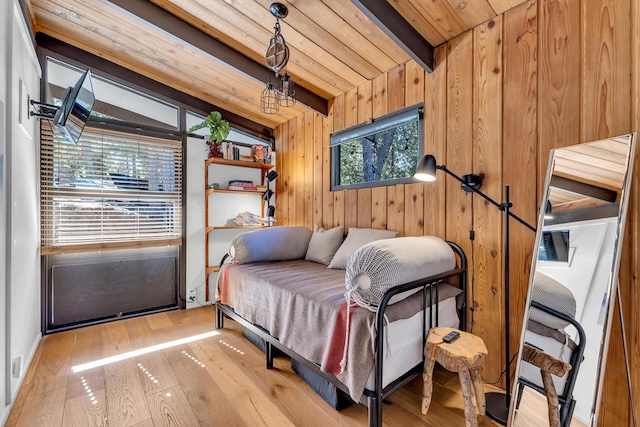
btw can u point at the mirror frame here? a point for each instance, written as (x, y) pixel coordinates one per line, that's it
(612, 284)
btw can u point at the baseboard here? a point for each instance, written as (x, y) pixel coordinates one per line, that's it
(4, 414)
(25, 369)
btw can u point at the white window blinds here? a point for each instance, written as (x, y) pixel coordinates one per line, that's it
(112, 190)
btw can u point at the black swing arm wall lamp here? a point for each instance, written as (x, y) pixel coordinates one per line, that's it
(471, 183)
(497, 403)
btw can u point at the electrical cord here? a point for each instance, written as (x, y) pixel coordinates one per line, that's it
(195, 297)
(504, 371)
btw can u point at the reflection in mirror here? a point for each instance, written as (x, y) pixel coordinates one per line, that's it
(573, 282)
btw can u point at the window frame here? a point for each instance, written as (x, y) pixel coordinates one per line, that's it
(48, 248)
(383, 123)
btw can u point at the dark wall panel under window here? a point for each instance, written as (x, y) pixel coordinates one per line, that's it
(83, 290)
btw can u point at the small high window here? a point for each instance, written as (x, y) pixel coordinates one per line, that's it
(383, 152)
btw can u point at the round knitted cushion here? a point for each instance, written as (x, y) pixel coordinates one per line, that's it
(380, 265)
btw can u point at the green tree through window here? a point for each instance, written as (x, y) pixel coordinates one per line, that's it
(384, 152)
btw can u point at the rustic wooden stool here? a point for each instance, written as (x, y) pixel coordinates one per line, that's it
(548, 365)
(464, 356)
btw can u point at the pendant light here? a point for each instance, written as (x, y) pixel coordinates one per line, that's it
(276, 59)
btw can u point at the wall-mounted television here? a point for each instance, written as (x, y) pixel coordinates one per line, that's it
(77, 104)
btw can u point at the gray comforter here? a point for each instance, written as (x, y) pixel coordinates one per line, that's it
(298, 302)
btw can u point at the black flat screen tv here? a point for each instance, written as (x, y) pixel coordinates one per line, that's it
(77, 104)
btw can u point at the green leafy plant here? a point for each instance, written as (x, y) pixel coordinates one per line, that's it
(218, 127)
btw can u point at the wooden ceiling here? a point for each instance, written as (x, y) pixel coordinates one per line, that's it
(589, 174)
(190, 45)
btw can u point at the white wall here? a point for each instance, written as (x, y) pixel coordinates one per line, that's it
(5, 26)
(588, 276)
(21, 208)
(194, 241)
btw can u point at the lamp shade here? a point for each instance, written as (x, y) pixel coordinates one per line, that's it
(426, 170)
(271, 211)
(548, 211)
(267, 195)
(271, 175)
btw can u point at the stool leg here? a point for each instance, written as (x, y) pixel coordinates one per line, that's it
(552, 399)
(427, 377)
(476, 379)
(467, 393)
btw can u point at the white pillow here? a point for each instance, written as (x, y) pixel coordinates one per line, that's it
(324, 244)
(356, 238)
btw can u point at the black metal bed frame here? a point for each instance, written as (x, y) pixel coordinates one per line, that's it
(565, 398)
(373, 399)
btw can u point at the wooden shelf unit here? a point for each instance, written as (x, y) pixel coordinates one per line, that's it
(264, 168)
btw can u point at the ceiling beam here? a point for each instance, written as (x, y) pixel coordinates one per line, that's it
(584, 214)
(157, 16)
(128, 77)
(588, 190)
(389, 20)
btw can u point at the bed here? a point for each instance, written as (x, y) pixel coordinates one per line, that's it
(550, 327)
(299, 307)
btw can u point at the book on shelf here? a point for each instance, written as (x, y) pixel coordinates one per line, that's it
(241, 185)
(241, 188)
(230, 150)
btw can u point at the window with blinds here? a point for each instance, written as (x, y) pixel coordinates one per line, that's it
(112, 190)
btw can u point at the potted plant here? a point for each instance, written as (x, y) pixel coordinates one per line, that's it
(218, 131)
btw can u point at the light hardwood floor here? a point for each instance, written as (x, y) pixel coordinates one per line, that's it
(216, 381)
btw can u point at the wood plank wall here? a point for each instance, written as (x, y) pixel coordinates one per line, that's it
(543, 75)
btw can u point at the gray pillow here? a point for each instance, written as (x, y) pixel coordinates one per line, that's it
(270, 244)
(356, 238)
(553, 294)
(324, 244)
(378, 266)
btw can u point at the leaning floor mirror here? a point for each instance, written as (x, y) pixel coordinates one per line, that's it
(572, 288)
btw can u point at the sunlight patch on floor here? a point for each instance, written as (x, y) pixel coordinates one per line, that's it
(139, 352)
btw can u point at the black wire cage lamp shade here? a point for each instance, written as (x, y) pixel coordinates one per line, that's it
(282, 93)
